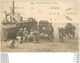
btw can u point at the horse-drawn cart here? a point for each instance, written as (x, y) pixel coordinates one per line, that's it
(46, 30)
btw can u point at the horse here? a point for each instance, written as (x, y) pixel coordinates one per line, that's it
(61, 32)
(50, 31)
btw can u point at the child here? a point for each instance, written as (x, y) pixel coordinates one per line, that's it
(11, 44)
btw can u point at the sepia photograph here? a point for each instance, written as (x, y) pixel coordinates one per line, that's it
(39, 26)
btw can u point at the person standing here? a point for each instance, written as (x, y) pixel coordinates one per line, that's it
(20, 35)
(25, 34)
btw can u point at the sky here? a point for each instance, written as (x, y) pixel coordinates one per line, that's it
(57, 12)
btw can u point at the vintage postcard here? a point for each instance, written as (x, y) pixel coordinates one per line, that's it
(39, 26)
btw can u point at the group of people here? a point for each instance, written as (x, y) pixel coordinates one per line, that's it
(25, 36)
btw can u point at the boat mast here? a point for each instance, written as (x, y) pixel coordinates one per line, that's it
(13, 12)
